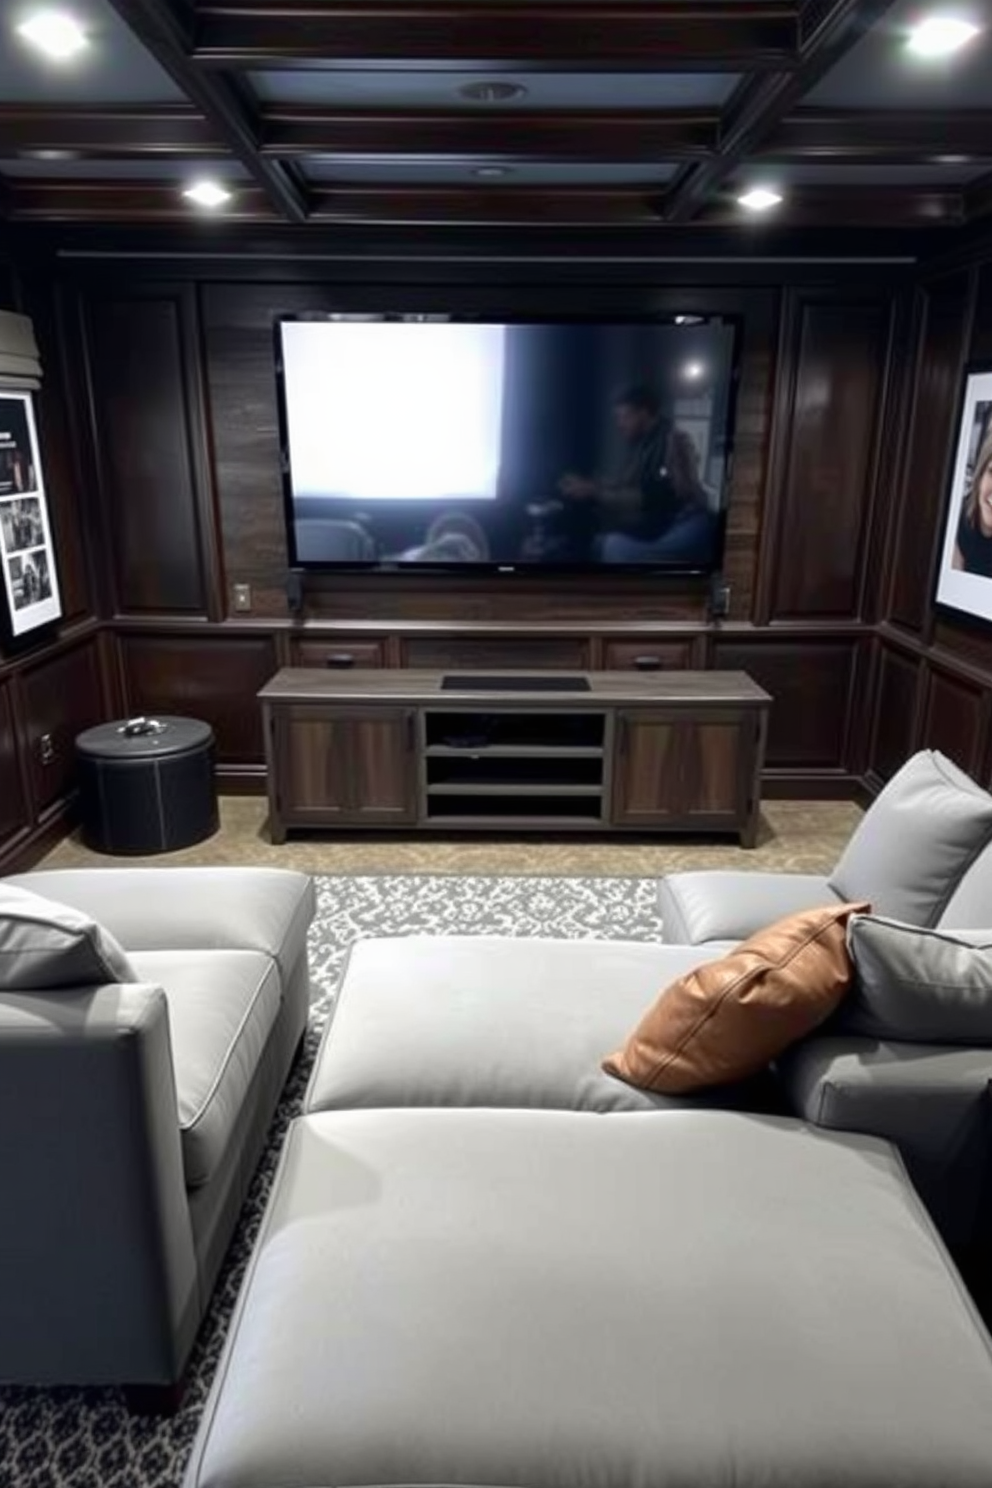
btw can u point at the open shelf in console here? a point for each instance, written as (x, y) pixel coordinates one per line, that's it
(525, 733)
(527, 765)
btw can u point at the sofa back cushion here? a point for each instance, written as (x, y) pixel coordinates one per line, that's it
(919, 985)
(916, 841)
(45, 946)
(727, 1019)
(971, 902)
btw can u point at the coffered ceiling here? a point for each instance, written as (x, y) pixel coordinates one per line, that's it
(598, 113)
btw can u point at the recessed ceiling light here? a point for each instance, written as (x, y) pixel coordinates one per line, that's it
(54, 32)
(693, 371)
(940, 36)
(492, 92)
(207, 194)
(759, 199)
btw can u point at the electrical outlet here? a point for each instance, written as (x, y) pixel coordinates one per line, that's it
(242, 597)
(46, 749)
(719, 600)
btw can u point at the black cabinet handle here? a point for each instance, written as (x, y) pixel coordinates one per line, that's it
(621, 736)
(648, 663)
(340, 659)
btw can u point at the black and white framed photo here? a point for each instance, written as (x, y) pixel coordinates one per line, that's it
(964, 575)
(30, 582)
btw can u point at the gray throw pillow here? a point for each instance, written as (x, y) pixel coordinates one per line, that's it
(45, 946)
(923, 986)
(915, 841)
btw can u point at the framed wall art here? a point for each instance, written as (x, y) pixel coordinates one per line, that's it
(964, 573)
(30, 581)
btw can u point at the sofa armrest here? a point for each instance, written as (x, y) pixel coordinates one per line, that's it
(932, 1101)
(717, 904)
(98, 1281)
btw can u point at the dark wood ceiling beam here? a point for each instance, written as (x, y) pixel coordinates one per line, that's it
(125, 201)
(163, 130)
(530, 207)
(616, 137)
(881, 137)
(164, 29)
(848, 206)
(593, 35)
(760, 104)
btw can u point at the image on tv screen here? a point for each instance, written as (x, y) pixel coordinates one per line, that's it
(434, 441)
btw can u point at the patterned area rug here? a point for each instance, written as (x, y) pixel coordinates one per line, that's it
(85, 1438)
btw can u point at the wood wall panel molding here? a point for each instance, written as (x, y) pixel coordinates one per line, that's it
(62, 695)
(941, 355)
(811, 683)
(15, 811)
(149, 456)
(894, 724)
(214, 678)
(824, 499)
(954, 718)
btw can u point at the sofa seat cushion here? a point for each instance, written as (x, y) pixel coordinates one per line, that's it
(489, 1021)
(192, 909)
(222, 1005)
(541, 1299)
(722, 904)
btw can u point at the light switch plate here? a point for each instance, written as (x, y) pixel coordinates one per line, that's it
(242, 597)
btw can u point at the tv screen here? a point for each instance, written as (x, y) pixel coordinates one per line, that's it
(427, 440)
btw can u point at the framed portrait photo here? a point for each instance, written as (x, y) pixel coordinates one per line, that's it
(30, 582)
(964, 573)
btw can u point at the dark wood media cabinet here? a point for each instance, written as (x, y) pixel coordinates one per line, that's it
(616, 752)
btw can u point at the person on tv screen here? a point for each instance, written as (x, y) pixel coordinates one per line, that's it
(973, 546)
(657, 506)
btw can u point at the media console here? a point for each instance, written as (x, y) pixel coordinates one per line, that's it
(432, 750)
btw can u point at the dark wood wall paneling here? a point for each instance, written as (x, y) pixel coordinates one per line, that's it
(828, 418)
(185, 454)
(47, 697)
(214, 677)
(149, 437)
(934, 670)
(55, 685)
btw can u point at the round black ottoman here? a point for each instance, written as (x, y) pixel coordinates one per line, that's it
(146, 785)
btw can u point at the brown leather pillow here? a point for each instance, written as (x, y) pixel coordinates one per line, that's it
(727, 1019)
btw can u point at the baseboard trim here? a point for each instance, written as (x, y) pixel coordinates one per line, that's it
(27, 848)
(810, 785)
(241, 780)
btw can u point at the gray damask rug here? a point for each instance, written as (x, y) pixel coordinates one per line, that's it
(86, 1439)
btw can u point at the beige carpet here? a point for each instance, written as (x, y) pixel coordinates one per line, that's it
(801, 836)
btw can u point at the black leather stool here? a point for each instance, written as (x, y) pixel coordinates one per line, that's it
(146, 785)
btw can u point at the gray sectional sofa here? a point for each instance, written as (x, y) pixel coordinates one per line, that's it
(486, 1262)
(133, 1113)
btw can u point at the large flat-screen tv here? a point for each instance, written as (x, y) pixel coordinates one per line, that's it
(438, 441)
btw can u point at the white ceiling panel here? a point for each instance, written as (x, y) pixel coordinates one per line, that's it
(544, 90)
(113, 68)
(402, 174)
(880, 73)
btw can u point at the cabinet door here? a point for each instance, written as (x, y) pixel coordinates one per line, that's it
(311, 754)
(344, 766)
(672, 771)
(381, 753)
